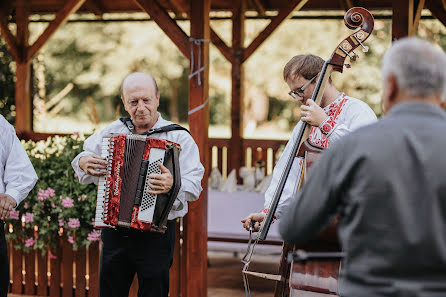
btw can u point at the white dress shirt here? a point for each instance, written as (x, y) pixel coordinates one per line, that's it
(190, 166)
(17, 174)
(345, 115)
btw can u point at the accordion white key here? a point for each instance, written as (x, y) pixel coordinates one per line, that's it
(122, 198)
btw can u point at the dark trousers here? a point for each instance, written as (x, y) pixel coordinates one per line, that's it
(126, 252)
(4, 262)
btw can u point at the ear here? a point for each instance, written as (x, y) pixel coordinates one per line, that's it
(389, 97)
(443, 104)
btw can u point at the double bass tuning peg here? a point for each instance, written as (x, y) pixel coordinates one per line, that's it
(364, 47)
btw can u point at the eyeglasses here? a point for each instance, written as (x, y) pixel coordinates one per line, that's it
(300, 92)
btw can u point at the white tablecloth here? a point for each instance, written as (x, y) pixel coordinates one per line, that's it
(225, 210)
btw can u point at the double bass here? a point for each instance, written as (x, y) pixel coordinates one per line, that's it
(313, 278)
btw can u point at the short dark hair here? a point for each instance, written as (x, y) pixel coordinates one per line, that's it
(307, 66)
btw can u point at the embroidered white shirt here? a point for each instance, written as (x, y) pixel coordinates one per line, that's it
(17, 174)
(345, 114)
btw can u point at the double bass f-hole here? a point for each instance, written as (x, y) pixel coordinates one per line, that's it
(356, 17)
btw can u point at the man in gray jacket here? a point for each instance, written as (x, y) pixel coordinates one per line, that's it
(387, 183)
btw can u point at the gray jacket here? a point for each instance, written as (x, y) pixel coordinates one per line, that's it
(387, 182)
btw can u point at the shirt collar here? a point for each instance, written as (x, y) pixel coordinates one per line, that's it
(416, 107)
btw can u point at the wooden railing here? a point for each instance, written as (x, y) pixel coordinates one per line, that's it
(68, 273)
(76, 273)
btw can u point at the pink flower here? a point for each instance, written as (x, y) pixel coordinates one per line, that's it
(94, 235)
(50, 192)
(51, 256)
(41, 195)
(73, 223)
(67, 202)
(25, 205)
(61, 222)
(75, 175)
(14, 214)
(29, 242)
(82, 197)
(76, 133)
(29, 217)
(44, 194)
(71, 239)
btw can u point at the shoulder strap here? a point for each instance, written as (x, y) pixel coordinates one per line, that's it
(128, 122)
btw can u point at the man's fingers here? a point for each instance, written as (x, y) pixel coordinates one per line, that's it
(163, 168)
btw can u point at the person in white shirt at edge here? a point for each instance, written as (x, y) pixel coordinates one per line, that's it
(126, 252)
(337, 116)
(17, 179)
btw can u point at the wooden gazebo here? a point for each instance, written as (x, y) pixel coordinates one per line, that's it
(405, 18)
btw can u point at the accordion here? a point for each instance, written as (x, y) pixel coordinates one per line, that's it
(122, 198)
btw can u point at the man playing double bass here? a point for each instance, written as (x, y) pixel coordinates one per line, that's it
(337, 116)
(386, 181)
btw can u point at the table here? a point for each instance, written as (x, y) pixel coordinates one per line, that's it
(225, 231)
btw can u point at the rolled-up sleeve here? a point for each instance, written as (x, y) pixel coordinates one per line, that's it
(92, 145)
(191, 171)
(19, 174)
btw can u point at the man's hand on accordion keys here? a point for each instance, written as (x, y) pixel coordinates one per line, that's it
(160, 183)
(93, 165)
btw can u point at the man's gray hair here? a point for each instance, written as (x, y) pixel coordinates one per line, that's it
(419, 67)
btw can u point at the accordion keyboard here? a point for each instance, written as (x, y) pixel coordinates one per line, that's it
(148, 200)
(103, 187)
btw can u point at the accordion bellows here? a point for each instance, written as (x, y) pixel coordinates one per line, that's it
(122, 198)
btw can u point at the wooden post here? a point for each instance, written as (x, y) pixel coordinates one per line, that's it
(194, 282)
(23, 104)
(237, 76)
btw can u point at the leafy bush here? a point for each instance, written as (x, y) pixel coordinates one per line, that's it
(58, 204)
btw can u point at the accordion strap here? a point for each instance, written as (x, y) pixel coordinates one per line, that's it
(128, 123)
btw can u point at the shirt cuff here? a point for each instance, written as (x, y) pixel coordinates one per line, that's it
(15, 195)
(266, 211)
(327, 126)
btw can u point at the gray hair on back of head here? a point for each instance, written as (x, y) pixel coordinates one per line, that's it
(419, 67)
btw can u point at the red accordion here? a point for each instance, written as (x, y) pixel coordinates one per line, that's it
(122, 193)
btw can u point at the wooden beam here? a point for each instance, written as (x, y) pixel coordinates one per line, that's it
(165, 22)
(175, 7)
(95, 6)
(437, 9)
(236, 153)
(215, 38)
(400, 19)
(419, 5)
(23, 119)
(62, 15)
(8, 37)
(194, 282)
(284, 13)
(259, 7)
(221, 46)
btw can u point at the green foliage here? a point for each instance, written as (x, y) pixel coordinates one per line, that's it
(58, 203)
(7, 87)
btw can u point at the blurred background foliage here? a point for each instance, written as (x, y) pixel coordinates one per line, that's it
(77, 74)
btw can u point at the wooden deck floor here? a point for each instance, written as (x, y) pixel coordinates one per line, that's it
(225, 277)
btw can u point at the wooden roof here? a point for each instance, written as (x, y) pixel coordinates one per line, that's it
(120, 6)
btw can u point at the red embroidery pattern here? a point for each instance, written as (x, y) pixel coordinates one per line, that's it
(266, 211)
(318, 135)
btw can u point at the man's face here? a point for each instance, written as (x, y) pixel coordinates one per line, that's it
(141, 101)
(299, 82)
